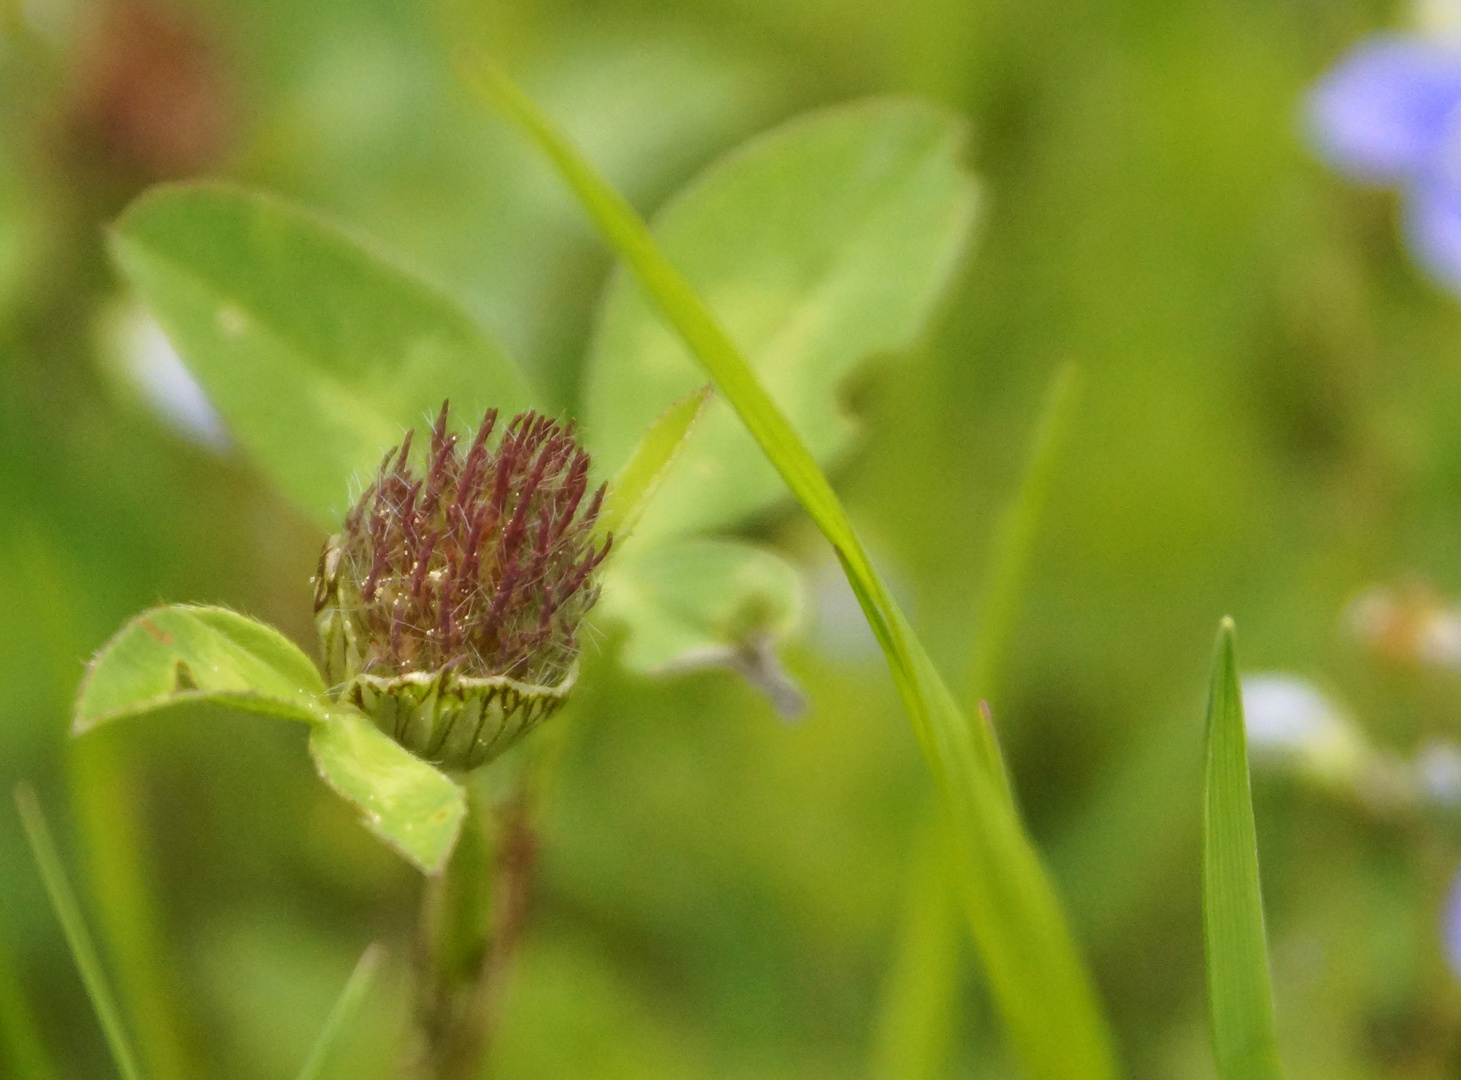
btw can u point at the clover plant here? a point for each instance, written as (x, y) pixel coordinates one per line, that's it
(462, 566)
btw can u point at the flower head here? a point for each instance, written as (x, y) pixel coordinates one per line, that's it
(1389, 108)
(1390, 113)
(449, 603)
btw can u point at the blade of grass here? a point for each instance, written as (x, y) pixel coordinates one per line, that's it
(73, 925)
(1040, 984)
(643, 473)
(1239, 1001)
(115, 867)
(346, 1006)
(22, 1051)
(1014, 540)
(915, 1029)
(916, 1025)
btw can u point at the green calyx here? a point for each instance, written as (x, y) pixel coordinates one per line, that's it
(456, 722)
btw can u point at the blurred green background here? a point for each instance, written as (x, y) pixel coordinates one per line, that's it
(1268, 428)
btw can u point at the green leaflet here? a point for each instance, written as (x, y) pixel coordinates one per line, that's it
(180, 654)
(409, 804)
(1039, 983)
(818, 245)
(698, 602)
(1239, 1001)
(317, 352)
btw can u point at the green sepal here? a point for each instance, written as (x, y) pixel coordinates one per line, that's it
(456, 721)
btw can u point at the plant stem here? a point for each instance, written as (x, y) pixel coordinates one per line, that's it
(517, 857)
(472, 921)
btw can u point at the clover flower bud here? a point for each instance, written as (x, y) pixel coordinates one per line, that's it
(448, 605)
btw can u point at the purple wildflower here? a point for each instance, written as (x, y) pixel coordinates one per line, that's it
(1390, 114)
(449, 604)
(1451, 927)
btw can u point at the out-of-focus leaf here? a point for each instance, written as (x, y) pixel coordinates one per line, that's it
(650, 463)
(409, 804)
(78, 937)
(817, 245)
(1239, 1000)
(1041, 987)
(22, 217)
(183, 653)
(697, 602)
(317, 352)
(22, 1051)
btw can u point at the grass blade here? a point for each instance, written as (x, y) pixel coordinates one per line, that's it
(68, 913)
(1014, 542)
(1040, 985)
(346, 1006)
(642, 474)
(916, 1023)
(1239, 1001)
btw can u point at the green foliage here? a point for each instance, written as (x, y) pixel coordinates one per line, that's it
(78, 938)
(1239, 1001)
(185, 654)
(317, 353)
(1269, 428)
(817, 245)
(22, 1051)
(820, 245)
(409, 804)
(699, 601)
(1039, 982)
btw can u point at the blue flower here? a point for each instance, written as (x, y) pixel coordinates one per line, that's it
(1451, 927)
(1390, 114)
